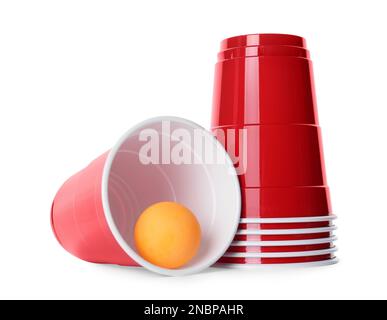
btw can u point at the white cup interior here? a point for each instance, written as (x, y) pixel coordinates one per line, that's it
(209, 189)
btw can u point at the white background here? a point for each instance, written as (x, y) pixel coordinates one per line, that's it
(75, 75)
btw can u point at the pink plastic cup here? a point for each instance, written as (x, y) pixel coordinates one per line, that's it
(95, 211)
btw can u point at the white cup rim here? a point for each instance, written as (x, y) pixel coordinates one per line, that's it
(243, 232)
(289, 220)
(283, 243)
(292, 254)
(252, 266)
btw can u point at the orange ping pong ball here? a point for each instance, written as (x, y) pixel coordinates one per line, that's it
(167, 234)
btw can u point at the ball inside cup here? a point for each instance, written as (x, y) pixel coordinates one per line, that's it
(210, 189)
(168, 235)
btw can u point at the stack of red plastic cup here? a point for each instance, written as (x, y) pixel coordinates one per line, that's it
(265, 114)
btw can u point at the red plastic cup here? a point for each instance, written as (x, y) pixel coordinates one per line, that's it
(280, 99)
(257, 249)
(281, 203)
(283, 172)
(94, 213)
(267, 81)
(279, 226)
(264, 90)
(285, 237)
(276, 155)
(235, 262)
